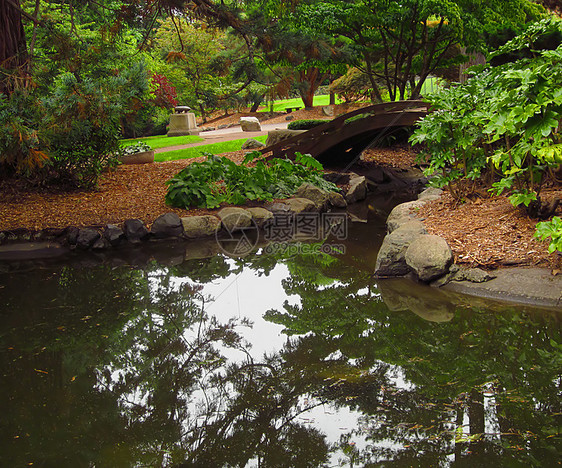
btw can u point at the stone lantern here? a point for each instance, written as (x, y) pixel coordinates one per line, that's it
(182, 122)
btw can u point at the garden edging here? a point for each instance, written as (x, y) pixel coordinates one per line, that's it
(52, 242)
(407, 237)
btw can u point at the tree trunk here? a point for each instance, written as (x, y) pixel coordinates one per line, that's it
(332, 98)
(256, 104)
(13, 48)
(311, 78)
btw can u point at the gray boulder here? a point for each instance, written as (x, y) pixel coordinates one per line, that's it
(200, 226)
(321, 198)
(429, 257)
(474, 275)
(101, 244)
(135, 230)
(391, 259)
(167, 225)
(251, 143)
(293, 206)
(250, 124)
(260, 215)
(86, 238)
(357, 190)
(277, 135)
(402, 214)
(337, 200)
(113, 234)
(431, 193)
(235, 219)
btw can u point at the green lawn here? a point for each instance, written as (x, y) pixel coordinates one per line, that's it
(196, 151)
(281, 104)
(162, 141)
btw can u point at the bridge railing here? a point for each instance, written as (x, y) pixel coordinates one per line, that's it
(385, 108)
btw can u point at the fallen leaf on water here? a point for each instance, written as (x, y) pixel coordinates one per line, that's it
(42, 371)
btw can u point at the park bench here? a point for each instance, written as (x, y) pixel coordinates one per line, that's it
(288, 110)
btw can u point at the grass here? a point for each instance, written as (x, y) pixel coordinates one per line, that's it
(281, 104)
(196, 151)
(162, 141)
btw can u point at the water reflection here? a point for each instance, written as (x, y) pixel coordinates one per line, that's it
(176, 366)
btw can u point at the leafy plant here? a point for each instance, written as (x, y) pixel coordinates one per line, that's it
(553, 230)
(505, 118)
(305, 124)
(219, 180)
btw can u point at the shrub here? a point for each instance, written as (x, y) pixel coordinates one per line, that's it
(219, 180)
(305, 124)
(21, 150)
(553, 230)
(83, 127)
(506, 118)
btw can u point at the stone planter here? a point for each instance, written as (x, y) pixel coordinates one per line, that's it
(143, 157)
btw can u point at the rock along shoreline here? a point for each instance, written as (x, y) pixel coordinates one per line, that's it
(408, 250)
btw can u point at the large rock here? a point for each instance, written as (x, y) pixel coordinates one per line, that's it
(167, 225)
(87, 238)
(431, 193)
(337, 200)
(135, 230)
(250, 124)
(113, 234)
(357, 190)
(391, 259)
(200, 226)
(235, 219)
(321, 198)
(293, 206)
(251, 143)
(402, 214)
(429, 257)
(277, 135)
(260, 215)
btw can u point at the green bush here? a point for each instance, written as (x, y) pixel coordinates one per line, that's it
(306, 124)
(506, 118)
(21, 151)
(82, 127)
(219, 180)
(69, 133)
(553, 230)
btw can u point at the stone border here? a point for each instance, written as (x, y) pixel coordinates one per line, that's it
(408, 250)
(51, 242)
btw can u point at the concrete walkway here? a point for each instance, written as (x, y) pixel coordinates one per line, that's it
(225, 134)
(534, 286)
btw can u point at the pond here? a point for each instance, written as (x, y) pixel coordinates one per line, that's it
(280, 358)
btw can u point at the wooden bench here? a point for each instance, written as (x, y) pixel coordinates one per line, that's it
(288, 110)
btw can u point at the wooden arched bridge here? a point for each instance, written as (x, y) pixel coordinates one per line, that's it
(343, 138)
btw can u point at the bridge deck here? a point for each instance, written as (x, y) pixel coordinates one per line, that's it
(346, 132)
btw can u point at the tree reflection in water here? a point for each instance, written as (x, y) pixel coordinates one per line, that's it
(126, 367)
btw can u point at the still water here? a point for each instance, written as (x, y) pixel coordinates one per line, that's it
(283, 359)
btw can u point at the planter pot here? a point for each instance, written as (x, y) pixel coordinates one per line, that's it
(138, 158)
